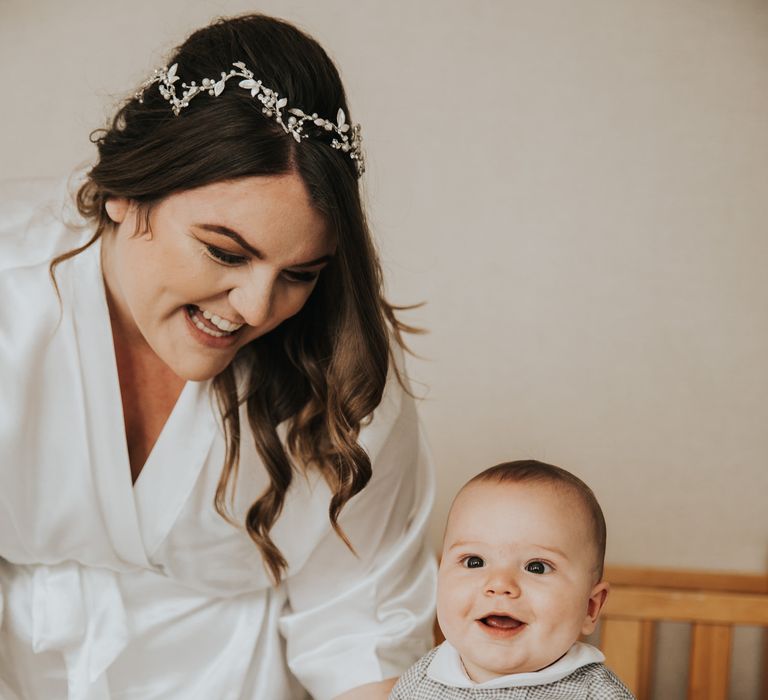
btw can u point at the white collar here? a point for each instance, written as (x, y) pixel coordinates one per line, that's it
(446, 668)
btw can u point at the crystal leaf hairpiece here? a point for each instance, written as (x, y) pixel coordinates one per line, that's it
(346, 137)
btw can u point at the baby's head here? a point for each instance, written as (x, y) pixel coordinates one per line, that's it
(521, 571)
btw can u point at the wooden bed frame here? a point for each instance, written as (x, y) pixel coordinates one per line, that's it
(713, 603)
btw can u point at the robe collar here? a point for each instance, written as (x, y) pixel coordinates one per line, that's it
(139, 516)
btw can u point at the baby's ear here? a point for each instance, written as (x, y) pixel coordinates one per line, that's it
(594, 606)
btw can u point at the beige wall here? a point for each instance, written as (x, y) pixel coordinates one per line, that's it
(578, 190)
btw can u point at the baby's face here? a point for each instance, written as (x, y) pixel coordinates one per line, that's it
(516, 584)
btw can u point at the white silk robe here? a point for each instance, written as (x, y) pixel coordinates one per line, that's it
(110, 590)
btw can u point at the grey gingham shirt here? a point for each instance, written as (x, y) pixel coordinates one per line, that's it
(593, 681)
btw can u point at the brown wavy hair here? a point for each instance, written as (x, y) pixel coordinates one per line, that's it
(324, 369)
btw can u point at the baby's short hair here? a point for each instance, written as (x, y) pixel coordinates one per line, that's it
(533, 471)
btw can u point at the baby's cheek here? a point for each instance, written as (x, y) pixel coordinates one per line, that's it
(454, 603)
(445, 607)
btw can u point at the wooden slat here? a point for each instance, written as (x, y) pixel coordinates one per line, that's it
(687, 606)
(726, 582)
(764, 675)
(710, 662)
(647, 648)
(625, 645)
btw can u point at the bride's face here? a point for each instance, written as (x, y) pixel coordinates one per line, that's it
(219, 266)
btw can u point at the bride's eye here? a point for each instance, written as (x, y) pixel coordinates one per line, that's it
(301, 275)
(224, 257)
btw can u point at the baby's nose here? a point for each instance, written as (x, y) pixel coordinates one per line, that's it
(502, 583)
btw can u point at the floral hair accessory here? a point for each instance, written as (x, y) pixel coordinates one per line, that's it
(346, 137)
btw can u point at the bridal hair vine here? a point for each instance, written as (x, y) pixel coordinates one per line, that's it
(346, 137)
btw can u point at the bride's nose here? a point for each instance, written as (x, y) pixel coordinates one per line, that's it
(253, 297)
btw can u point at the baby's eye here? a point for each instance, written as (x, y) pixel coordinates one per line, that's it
(473, 562)
(538, 567)
(224, 257)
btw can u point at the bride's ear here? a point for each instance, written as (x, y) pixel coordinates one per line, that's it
(117, 208)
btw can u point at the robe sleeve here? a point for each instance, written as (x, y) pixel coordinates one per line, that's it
(352, 620)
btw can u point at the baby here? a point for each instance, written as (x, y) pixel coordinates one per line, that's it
(520, 581)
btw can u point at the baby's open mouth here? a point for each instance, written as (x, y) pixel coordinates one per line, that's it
(500, 622)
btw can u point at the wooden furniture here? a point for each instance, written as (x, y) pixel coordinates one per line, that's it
(712, 602)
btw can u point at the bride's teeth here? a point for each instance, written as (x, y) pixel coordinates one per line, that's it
(221, 323)
(205, 329)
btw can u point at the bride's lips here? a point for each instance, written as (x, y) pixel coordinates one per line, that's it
(210, 335)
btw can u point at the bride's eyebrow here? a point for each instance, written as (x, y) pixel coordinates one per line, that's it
(237, 238)
(234, 235)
